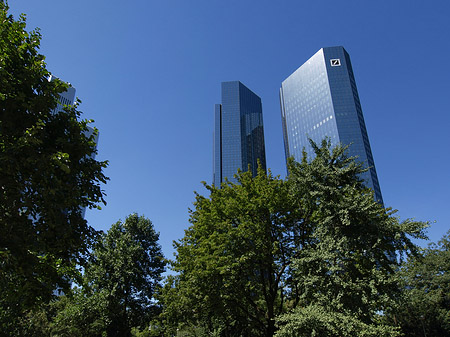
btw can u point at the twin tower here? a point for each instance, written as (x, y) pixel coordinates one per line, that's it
(318, 100)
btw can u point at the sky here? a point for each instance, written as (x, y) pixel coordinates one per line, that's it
(149, 73)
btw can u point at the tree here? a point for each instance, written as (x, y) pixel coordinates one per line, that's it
(344, 270)
(318, 320)
(120, 280)
(233, 262)
(424, 308)
(48, 174)
(80, 313)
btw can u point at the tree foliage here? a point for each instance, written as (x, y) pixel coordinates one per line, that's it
(347, 264)
(233, 262)
(119, 283)
(318, 320)
(424, 308)
(47, 175)
(79, 313)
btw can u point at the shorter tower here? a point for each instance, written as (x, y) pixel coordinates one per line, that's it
(238, 133)
(319, 100)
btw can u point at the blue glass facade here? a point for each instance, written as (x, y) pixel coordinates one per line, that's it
(321, 99)
(238, 132)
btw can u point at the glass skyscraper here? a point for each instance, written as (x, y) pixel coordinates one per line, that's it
(238, 133)
(319, 100)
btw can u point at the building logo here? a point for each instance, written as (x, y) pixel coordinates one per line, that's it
(335, 62)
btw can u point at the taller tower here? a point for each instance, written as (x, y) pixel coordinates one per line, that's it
(238, 132)
(321, 99)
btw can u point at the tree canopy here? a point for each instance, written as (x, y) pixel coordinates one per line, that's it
(48, 174)
(346, 265)
(233, 262)
(119, 283)
(424, 307)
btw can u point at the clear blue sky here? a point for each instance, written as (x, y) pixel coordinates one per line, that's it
(149, 73)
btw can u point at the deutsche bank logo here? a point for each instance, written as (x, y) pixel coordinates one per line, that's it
(335, 62)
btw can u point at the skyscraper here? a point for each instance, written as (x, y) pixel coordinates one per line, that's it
(321, 99)
(238, 132)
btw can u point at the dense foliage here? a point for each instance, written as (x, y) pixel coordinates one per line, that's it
(345, 269)
(233, 262)
(119, 284)
(48, 174)
(424, 308)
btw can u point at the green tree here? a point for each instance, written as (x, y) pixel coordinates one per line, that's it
(424, 308)
(47, 175)
(344, 271)
(82, 312)
(233, 262)
(319, 320)
(120, 281)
